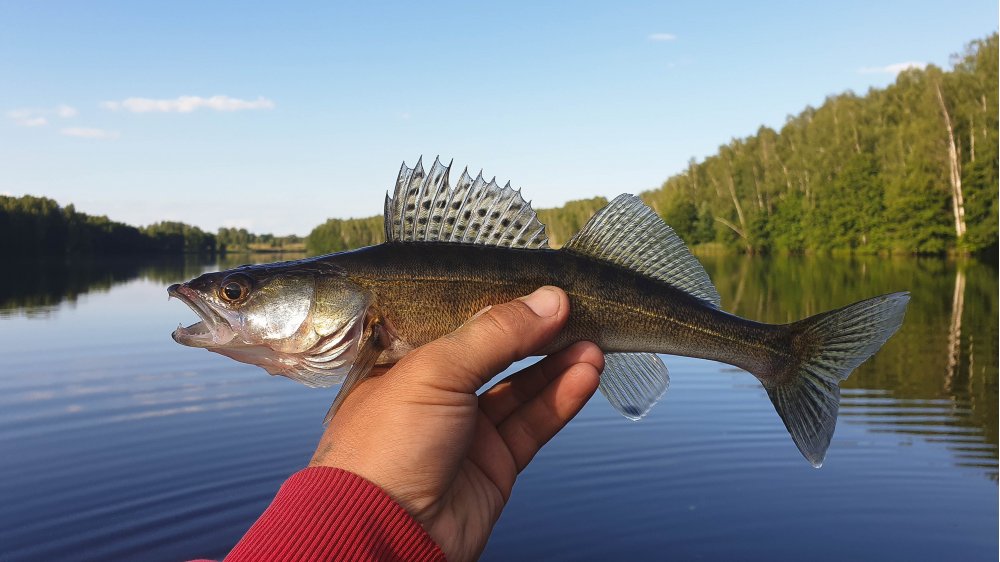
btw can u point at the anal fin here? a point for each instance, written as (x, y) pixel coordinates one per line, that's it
(633, 382)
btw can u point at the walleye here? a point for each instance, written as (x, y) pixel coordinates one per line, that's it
(634, 288)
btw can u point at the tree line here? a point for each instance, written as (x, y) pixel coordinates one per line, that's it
(242, 240)
(336, 235)
(38, 226)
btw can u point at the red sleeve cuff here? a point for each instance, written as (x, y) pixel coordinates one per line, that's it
(323, 513)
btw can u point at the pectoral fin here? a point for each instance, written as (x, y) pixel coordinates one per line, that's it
(371, 347)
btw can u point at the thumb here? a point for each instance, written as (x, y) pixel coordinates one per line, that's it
(469, 357)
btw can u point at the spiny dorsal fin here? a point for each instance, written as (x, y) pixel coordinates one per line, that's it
(424, 208)
(628, 233)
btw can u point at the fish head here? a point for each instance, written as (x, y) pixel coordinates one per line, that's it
(292, 319)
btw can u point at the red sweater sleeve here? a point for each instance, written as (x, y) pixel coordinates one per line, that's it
(330, 514)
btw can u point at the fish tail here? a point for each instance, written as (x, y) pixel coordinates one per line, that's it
(829, 346)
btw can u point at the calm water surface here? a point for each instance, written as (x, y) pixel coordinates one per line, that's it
(116, 443)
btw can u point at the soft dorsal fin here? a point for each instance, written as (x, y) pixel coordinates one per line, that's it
(628, 233)
(423, 208)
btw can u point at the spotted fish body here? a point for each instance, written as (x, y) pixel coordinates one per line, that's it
(634, 289)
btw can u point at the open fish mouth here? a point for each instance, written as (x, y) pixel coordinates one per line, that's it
(211, 331)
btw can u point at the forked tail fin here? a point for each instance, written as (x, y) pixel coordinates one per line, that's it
(833, 344)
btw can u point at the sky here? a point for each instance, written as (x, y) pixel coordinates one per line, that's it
(275, 117)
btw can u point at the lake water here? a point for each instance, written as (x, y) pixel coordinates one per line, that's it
(118, 444)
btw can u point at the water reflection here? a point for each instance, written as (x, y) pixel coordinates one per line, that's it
(119, 444)
(936, 379)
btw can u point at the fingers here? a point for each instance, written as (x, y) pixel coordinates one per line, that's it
(531, 425)
(470, 356)
(521, 387)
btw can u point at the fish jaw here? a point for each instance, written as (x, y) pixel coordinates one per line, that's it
(304, 321)
(211, 331)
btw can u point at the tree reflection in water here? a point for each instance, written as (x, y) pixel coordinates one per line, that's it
(936, 379)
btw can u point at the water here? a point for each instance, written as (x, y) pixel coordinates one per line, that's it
(116, 443)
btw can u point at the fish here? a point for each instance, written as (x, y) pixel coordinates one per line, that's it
(634, 288)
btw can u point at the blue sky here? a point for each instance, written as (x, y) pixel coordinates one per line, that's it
(277, 117)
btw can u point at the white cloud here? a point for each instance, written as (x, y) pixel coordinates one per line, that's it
(892, 68)
(38, 117)
(90, 133)
(659, 37)
(187, 104)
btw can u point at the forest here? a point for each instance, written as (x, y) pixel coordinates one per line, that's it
(240, 240)
(907, 169)
(39, 226)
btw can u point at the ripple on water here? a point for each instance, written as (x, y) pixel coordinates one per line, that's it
(130, 447)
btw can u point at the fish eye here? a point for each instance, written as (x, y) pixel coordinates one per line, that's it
(234, 288)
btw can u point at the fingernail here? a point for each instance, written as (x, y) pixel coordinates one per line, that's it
(543, 302)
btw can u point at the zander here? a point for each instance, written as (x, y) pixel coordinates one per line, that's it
(634, 289)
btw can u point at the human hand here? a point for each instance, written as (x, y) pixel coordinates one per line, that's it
(448, 457)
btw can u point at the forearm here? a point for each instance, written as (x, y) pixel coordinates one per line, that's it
(325, 513)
